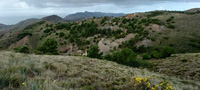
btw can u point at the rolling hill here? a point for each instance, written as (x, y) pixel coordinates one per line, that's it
(53, 18)
(162, 28)
(84, 15)
(128, 40)
(22, 72)
(2, 26)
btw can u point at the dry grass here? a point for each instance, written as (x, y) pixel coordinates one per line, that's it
(182, 65)
(35, 72)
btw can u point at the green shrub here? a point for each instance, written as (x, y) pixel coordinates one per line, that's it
(146, 56)
(141, 49)
(128, 57)
(171, 26)
(123, 55)
(48, 30)
(22, 49)
(162, 52)
(156, 54)
(49, 47)
(61, 34)
(94, 52)
(23, 34)
(167, 51)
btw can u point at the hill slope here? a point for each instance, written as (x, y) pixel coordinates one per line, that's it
(182, 65)
(53, 18)
(22, 72)
(83, 15)
(2, 26)
(149, 31)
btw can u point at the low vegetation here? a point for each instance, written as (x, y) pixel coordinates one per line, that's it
(130, 47)
(49, 47)
(128, 57)
(22, 49)
(35, 72)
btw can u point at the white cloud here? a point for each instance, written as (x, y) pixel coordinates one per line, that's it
(13, 8)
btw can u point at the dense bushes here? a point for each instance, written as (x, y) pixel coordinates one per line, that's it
(61, 34)
(23, 34)
(49, 47)
(162, 52)
(22, 49)
(63, 26)
(48, 30)
(146, 56)
(128, 57)
(94, 52)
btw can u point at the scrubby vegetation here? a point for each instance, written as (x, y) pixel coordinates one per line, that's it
(94, 52)
(36, 72)
(23, 34)
(22, 49)
(142, 40)
(49, 47)
(128, 57)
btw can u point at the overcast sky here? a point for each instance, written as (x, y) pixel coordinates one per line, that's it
(13, 11)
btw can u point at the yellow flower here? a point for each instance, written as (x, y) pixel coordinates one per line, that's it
(153, 88)
(161, 84)
(148, 77)
(23, 83)
(148, 84)
(156, 86)
(145, 80)
(54, 81)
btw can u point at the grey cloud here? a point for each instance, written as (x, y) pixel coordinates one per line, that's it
(83, 3)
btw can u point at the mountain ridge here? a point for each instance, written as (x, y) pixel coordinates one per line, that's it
(53, 18)
(159, 24)
(83, 15)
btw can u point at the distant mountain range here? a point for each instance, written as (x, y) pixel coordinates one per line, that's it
(83, 15)
(19, 25)
(2, 26)
(55, 19)
(193, 10)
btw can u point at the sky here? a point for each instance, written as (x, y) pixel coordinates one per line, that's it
(13, 11)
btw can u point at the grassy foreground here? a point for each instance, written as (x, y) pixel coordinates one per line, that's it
(186, 66)
(35, 72)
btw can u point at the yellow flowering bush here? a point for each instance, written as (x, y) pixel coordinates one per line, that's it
(140, 83)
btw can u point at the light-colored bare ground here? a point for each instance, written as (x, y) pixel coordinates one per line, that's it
(105, 45)
(22, 42)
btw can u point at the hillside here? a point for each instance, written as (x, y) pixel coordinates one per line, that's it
(2, 26)
(142, 32)
(53, 18)
(186, 66)
(84, 15)
(193, 10)
(148, 51)
(20, 25)
(22, 72)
